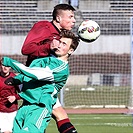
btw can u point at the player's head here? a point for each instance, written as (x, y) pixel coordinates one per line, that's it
(70, 35)
(4, 70)
(67, 44)
(63, 16)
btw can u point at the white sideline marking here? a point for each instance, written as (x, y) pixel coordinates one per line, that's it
(107, 124)
(100, 106)
(104, 124)
(115, 106)
(92, 118)
(88, 89)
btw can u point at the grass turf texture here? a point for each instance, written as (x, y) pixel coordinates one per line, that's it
(99, 123)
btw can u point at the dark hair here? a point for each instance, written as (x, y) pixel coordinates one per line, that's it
(71, 35)
(60, 7)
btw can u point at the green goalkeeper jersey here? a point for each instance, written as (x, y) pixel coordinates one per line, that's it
(44, 76)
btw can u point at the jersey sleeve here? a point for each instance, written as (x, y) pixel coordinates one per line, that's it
(37, 42)
(37, 73)
(18, 79)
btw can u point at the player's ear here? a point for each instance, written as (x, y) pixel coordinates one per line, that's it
(71, 50)
(58, 19)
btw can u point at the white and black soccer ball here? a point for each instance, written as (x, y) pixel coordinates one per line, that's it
(88, 31)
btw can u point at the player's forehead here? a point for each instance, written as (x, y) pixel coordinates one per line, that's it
(66, 13)
(66, 41)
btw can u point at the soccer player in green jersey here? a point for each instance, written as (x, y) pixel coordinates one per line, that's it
(42, 81)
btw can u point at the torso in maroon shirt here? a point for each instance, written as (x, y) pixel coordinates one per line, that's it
(37, 42)
(5, 91)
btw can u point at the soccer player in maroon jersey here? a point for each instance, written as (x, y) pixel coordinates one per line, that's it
(37, 45)
(8, 100)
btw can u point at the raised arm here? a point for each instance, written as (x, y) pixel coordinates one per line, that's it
(37, 42)
(36, 73)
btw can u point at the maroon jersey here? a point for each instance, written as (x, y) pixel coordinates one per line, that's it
(37, 42)
(5, 91)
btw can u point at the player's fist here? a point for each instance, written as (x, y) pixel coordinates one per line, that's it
(54, 44)
(11, 99)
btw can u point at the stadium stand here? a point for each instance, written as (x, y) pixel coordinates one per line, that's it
(121, 5)
(19, 16)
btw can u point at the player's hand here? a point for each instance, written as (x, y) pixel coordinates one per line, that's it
(11, 99)
(9, 81)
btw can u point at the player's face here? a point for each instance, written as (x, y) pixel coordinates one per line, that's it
(63, 48)
(5, 70)
(67, 19)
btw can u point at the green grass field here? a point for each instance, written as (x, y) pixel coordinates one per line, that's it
(99, 123)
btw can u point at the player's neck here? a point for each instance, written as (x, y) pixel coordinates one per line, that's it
(4, 74)
(63, 58)
(57, 24)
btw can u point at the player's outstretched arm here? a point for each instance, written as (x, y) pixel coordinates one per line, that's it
(34, 40)
(37, 42)
(36, 73)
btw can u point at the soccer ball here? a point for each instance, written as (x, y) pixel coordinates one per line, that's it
(88, 31)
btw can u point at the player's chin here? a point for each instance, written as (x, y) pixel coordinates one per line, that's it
(58, 54)
(69, 28)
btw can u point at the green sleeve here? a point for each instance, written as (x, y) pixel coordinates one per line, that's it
(37, 72)
(17, 66)
(18, 79)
